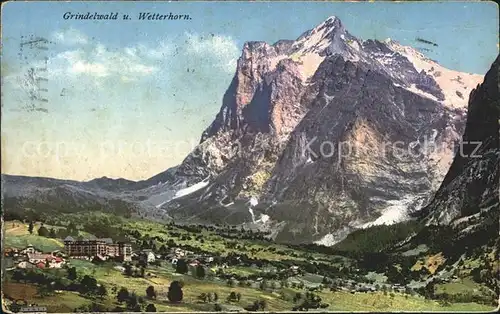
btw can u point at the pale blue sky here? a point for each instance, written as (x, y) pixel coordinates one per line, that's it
(127, 82)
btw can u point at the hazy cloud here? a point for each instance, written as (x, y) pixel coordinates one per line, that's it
(141, 60)
(101, 61)
(70, 36)
(220, 49)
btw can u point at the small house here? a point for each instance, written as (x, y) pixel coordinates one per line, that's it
(36, 257)
(363, 289)
(26, 265)
(179, 252)
(194, 263)
(294, 269)
(56, 262)
(11, 252)
(209, 259)
(120, 268)
(30, 250)
(148, 256)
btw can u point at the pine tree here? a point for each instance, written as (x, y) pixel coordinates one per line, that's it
(175, 293)
(122, 295)
(181, 267)
(150, 292)
(72, 273)
(102, 292)
(150, 308)
(52, 233)
(200, 272)
(43, 231)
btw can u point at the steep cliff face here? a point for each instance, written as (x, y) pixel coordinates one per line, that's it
(468, 197)
(290, 108)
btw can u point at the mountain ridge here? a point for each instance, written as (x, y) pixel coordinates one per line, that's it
(326, 84)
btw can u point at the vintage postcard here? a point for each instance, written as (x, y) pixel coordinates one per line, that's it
(250, 156)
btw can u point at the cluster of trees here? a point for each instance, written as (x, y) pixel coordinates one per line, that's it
(397, 268)
(444, 238)
(308, 301)
(150, 244)
(49, 282)
(225, 231)
(181, 267)
(378, 238)
(98, 308)
(484, 296)
(151, 292)
(214, 297)
(134, 271)
(283, 266)
(133, 302)
(16, 305)
(234, 297)
(43, 231)
(14, 210)
(283, 270)
(175, 293)
(428, 290)
(208, 297)
(93, 307)
(257, 305)
(403, 274)
(90, 287)
(198, 272)
(488, 274)
(102, 225)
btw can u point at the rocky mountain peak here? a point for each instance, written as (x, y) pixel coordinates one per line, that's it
(331, 22)
(288, 113)
(262, 68)
(289, 98)
(328, 28)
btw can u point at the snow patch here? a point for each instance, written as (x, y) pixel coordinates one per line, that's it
(191, 189)
(331, 239)
(413, 88)
(264, 218)
(397, 211)
(227, 205)
(161, 204)
(252, 214)
(253, 202)
(449, 81)
(434, 135)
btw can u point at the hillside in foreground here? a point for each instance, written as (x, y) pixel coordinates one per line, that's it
(278, 277)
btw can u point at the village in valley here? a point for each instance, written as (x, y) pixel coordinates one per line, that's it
(101, 262)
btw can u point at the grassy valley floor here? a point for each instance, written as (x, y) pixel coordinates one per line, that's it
(265, 283)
